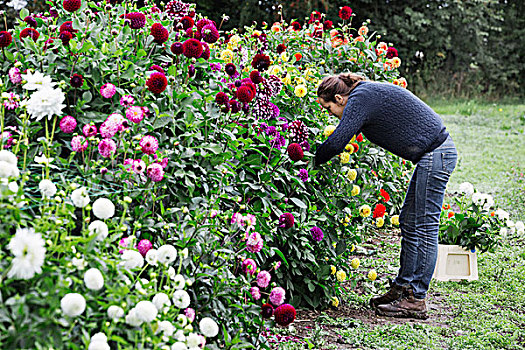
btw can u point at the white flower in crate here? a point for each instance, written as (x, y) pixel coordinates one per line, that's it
(146, 311)
(80, 197)
(167, 254)
(45, 102)
(167, 328)
(133, 319)
(181, 299)
(502, 214)
(115, 312)
(28, 248)
(152, 257)
(466, 188)
(132, 259)
(98, 228)
(179, 282)
(99, 341)
(208, 327)
(73, 304)
(47, 188)
(179, 346)
(103, 208)
(193, 340)
(161, 301)
(182, 321)
(93, 279)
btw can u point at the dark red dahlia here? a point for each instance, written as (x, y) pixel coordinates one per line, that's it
(295, 152)
(256, 77)
(235, 106)
(205, 51)
(281, 48)
(379, 211)
(76, 80)
(345, 12)
(244, 94)
(31, 21)
(137, 20)
(187, 22)
(71, 5)
(230, 69)
(284, 314)
(221, 98)
(286, 220)
(29, 32)
(201, 23)
(315, 16)
(327, 25)
(53, 13)
(191, 70)
(359, 138)
(65, 36)
(193, 33)
(5, 38)
(159, 33)
(385, 195)
(192, 48)
(157, 82)
(177, 48)
(266, 310)
(261, 62)
(297, 131)
(144, 246)
(391, 53)
(210, 34)
(157, 68)
(296, 26)
(249, 84)
(67, 27)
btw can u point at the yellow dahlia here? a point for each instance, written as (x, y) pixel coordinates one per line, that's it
(300, 90)
(285, 57)
(335, 302)
(365, 210)
(372, 275)
(345, 158)
(328, 130)
(352, 174)
(340, 275)
(227, 55)
(355, 263)
(394, 220)
(380, 222)
(355, 190)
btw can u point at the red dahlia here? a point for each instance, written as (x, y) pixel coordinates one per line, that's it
(249, 84)
(267, 310)
(205, 51)
(327, 25)
(137, 20)
(192, 48)
(281, 48)
(356, 146)
(391, 53)
(345, 12)
(296, 26)
(5, 38)
(159, 33)
(71, 5)
(157, 82)
(210, 34)
(187, 22)
(31, 21)
(284, 314)
(67, 27)
(221, 98)
(244, 94)
(76, 80)
(286, 220)
(261, 62)
(315, 16)
(379, 211)
(177, 48)
(65, 36)
(359, 138)
(384, 194)
(295, 152)
(29, 32)
(256, 77)
(157, 68)
(235, 106)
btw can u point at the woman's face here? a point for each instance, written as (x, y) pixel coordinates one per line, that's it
(335, 108)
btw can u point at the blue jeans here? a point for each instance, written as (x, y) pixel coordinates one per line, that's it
(419, 217)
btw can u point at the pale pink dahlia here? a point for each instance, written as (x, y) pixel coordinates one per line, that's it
(237, 218)
(15, 76)
(128, 165)
(89, 130)
(263, 279)
(109, 129)
(108, 90)
(155, 172)
(254, 243)
(11, 100)
(249, 266)
(256, 294)
(190, 314)
(79, 143)
(277, 296)
(135, 114)
(149, 144)
(139, 166)
(107, 147)
(68, 124)
(127, 100)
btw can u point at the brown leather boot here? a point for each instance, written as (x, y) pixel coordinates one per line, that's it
(395, 293)
(408, 307)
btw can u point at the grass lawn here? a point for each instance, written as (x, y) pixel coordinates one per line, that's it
(484, 314)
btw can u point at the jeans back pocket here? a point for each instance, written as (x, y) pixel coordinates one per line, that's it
(448, 161)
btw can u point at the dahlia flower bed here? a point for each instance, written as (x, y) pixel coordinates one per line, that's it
(157, 183)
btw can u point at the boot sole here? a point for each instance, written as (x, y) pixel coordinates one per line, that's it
(420, 315)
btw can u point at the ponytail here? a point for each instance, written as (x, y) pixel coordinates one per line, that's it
(341, 84)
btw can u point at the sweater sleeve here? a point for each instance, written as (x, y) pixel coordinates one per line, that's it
(354, 117)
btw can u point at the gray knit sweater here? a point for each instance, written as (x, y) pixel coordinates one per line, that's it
(389, 116)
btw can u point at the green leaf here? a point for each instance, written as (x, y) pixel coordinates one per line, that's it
(87, 96)
(299, 203)
(141, 53)
(276, 250)
(24, 13)
(340, 248)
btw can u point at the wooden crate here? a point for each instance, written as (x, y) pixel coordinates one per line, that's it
(455, 263)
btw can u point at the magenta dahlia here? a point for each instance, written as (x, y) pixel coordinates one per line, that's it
(108, 90)
(391, 53)
(79, 143)
(177, 48)
(303, 175)
(230, 69)
(65, 37)
(187, 22)
(138, 166)
(235, 106)
(286, 220)
(14, 75)
(205, 51)
(157, 68)
(68, 124)
(5, 38)
(155, 172)
(144, 246)
(295, 152)
(266, 310)
(137, 20)
(254, 242)
(317, 234)
(29, 32)
(76, 80)
(345, 12)
(159, 33)
(107, 147)
(249, 266)
(193, 33)
(135, 114)
(157, 82)
(209, 33)
(284, 315)
(127, 100)
(192, 48)
(244, 94)
(327, 25)
(71, 5)
(201, 23)
(31, 21)
(149, 144)
(255, 292)
(89, 130)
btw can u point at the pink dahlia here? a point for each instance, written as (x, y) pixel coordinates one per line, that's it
(79, 143)
(108, 129)
(190, 314)
(263, 279)
(277, 296)
(11, 100)
(254, 243)
(7, 139)
(159, 33)
(295, 152)
(139, 166)
(135, 114)
(157, 82)
(303, 175)
(284, 314)
(89, 130)
(149, 144)
(249, 266)
(256, 294)
(155, 172)
(286, 220)
(108, 90)
(15, 76)
(68, 124)
(107, 147)
(127, 100)
(144, 246)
